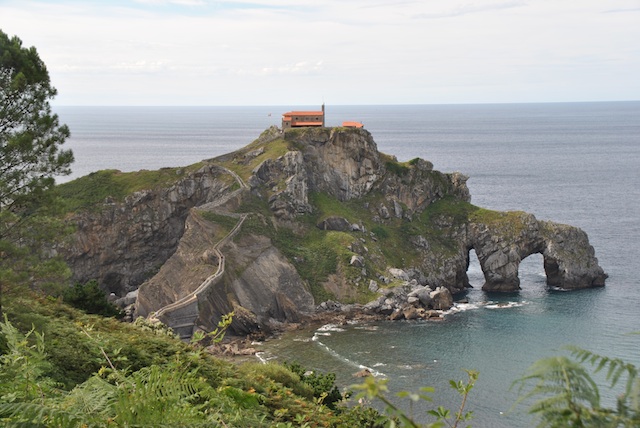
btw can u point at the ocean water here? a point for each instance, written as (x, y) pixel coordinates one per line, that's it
(575, 163)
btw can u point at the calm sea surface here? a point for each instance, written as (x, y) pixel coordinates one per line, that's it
(576, 163)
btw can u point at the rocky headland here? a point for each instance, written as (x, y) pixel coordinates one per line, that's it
(312, 222)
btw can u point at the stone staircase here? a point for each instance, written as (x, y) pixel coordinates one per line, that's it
(182, 314)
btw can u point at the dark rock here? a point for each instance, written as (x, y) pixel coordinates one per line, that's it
(396, 315)
(410, 313)
(340, 224)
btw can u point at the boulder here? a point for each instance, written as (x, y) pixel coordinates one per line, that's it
(340, 224)
(423, 294)
(410, 313)
(357, 261)
(399, 274)
(441, 299)
(396, 315)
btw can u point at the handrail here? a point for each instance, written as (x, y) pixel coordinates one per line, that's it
(211, 280)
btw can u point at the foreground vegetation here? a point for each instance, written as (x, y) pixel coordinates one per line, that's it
(60, 367)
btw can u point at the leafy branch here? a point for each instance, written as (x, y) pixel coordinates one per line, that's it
(567, 395)
(377, 389)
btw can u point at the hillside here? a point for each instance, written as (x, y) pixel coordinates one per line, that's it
(299, 218)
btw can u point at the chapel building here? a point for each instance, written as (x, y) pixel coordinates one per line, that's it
(299, 119)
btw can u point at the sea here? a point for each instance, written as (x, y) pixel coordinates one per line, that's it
(574, 163)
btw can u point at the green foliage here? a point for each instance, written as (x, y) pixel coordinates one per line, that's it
(225, 221)
(273, 148)
(377, 389)
(259, 372)
(30, 135)
(30, 158)
(324, 387)
(140, 378)
(90, 191)
(25, 261)
(397, 168)
(23, 364)
(567, 395)
(380, 232)
(215, 336)
(91, 299)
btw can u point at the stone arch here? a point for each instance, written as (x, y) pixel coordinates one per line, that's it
(569, 261)
(475, 277)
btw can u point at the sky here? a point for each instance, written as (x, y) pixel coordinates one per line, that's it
(350, 52)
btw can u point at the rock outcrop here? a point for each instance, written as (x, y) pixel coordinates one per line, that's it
(173, 240)
(123, 243)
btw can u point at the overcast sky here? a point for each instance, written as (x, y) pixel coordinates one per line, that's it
(297, 52)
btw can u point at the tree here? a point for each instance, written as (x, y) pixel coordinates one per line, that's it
(30, 158)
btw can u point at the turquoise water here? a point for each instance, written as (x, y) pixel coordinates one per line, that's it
(575, 163)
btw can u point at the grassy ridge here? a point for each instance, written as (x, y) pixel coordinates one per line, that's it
(91, 190)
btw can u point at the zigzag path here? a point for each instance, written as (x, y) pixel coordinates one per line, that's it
(182, 314)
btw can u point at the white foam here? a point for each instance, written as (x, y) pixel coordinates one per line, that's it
(264, 357)
(504, 305)
(331, 327)
(460, 307)
(367, 327)
(346, 360)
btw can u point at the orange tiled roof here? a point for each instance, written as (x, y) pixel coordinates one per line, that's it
(352, 124)
(303, 113)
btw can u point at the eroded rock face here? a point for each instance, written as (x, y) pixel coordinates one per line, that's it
(123, 244)
(185, 270)
(569, 259)
(266, 284)
(502, 243)
(346, 164)
(157, 237)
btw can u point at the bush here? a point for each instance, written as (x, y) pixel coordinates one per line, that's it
(323, 384)
(91, 299)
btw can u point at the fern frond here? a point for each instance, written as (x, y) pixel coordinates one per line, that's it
(37, 414)
(616, 368)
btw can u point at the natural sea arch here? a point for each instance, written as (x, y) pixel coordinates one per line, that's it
(501, 245)
(531, 271)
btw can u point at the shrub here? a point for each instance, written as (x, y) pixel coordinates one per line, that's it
(91, 299)
(323, 385)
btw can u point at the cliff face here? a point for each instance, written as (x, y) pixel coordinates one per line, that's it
(311, 212)
(123, 243)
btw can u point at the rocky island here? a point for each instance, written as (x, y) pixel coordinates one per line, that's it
(301, 221)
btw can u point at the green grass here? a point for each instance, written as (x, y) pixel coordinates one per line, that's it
(93, 189)
(272, 150)
(225, 222)
(75, 345)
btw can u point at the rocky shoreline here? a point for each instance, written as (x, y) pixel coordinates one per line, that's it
(326, 214)
(407, 301)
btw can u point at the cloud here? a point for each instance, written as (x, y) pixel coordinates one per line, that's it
(628, 10)
(468, 9)
(279, 51)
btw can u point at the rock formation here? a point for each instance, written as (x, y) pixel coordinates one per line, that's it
(377, 223)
